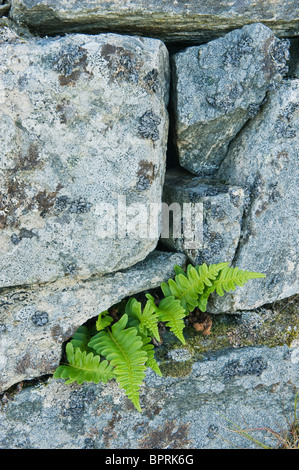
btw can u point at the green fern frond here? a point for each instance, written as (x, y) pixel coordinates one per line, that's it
(178, 269)
(203, 298)
(81, 338)
(187, 286)
(126, 345)
(229, 278)
(103, 320)
(151, 362)
(147, 320)
(170, 311)
(83, 367)
(124, 349)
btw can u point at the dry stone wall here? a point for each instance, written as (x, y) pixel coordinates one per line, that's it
(107, 110)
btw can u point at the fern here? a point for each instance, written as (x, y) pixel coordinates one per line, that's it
(81, 338)
(193, 287)
(151, 362)
(83, 367)
(170, 311)
(203, 298)
(186, 287)
(124, 349)
(146, 321)
(103, 320)
(126, 345)
(229, 278)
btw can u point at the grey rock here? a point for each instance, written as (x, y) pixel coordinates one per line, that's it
(35, 321)
(217, 87)
(10, 30)
(4, 8)
(170, 21)
(264, 161)
(253, 388)
(84, 124)
(217, 222)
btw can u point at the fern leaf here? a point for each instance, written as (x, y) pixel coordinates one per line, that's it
(203, 298)
(124, 349)
(103, 320)
(147, 321)
(186, 287)
(151, 361)
(170, 311)
(229, 278)
(178, 269)
(81, 338)
(83, 367)
(165, 289)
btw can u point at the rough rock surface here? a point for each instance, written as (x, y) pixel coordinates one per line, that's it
(251, 387)
(219, 222)
(217, 87)
(83, 124)
(264, 161)
(168, 20)
(4, 8)
(35, 321)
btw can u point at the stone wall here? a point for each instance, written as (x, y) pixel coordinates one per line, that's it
(108, 109)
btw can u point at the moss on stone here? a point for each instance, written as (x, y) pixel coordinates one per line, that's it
(176, 369)
(273, 325)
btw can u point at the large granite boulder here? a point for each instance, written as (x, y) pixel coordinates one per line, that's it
(264, 161)
(168, 20)
(83, 131)
(213, 217)
(35, 321)
(217, 87)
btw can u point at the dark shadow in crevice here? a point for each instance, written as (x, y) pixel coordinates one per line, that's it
(162, 247)
(8, 395)
(293, 62)
(172, 156)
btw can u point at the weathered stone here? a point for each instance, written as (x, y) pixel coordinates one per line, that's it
(83, 124)
(218, 219)
(168, 20)
(35, 321)
(9, 30)
(4, 8)
(253, 388)
(264, 161)
(217, 87)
